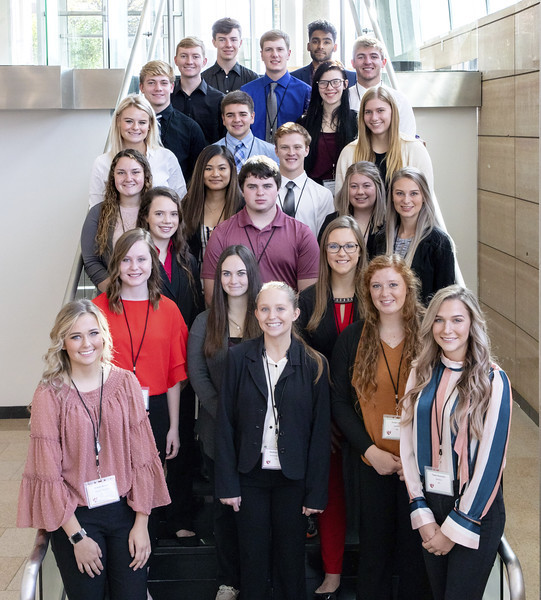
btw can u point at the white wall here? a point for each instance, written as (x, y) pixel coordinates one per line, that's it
(45, 159)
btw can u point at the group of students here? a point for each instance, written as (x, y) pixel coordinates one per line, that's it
(349, 378)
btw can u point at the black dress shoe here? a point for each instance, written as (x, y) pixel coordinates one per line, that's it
(327, 595)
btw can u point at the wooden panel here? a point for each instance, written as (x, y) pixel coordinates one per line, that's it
(527, 105)
(497, 48)
(502, 336)
(497, 281)
(527, 235)
(527, 301)
(497, 114)
(527, 169)
(527, 40)
(497, 165)
(497, 221)
(526, 380)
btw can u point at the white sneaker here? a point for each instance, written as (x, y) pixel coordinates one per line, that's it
(226, 592)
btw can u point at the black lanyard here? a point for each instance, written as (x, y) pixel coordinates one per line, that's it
(272, 386)
(439, 430)
(395, 387)
(274, 121)
(95, 429)
(264, 249)
(241, 142)
(298, 201)
(135, 358)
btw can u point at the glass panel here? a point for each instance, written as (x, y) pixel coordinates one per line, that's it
(466, 11)
(434, 18)
(83, 43)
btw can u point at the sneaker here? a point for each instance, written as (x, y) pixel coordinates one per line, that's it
(226, 592)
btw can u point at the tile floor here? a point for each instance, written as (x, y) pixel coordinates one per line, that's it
(521, 491)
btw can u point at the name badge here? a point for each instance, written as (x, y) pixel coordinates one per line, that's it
(101, 491)
(438, 482)
(146, 394)
(391, 427)
(330, 184)
(270, 459)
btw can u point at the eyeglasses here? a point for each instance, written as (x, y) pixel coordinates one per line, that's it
(350, 248)
(335, 83)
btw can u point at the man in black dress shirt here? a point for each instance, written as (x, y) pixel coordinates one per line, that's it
(192, 95)
(227, 74)
(178, 133)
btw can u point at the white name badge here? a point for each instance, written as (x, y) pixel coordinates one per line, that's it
(146, 393)
(438, 482)
(391, 427)
(330, 184)
(101, 491)
(270, 459)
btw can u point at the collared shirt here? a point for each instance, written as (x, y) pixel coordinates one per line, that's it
(203, 106)
(252, 146)
(313, 202)
(182, 136)
(228, 82)
(405, 112)
(285, 249)
(293, 96)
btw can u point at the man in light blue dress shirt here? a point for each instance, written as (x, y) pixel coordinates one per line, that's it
(238, 115)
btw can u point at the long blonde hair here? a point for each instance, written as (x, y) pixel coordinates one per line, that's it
(363, 149)
(474, 386)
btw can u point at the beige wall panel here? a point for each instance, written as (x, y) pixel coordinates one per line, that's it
(527, 301)
(452, 51)
(497, 48)
(527, 105)
(527, 235)
(502, 337)
(527, 368)
(527, 40)
(497, 165)
(527, 169)
(497, 221)
(497, 281)
(497, 114)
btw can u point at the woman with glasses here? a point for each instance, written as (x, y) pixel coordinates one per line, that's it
(329, 121)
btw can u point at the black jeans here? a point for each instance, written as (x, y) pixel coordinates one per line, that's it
(109, 526)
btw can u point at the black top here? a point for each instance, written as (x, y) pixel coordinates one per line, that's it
(203, 106)
(183, 137)
(237, 77)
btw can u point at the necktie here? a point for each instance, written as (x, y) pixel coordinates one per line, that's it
(289, 200)
(239, 156)
(272, 113)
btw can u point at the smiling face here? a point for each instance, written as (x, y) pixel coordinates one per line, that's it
(157, 90)
(163, 218)
(275, 313)
(407, 198)
(377, 116)
(362, 192)
(321, 46)
(217, 173)
(388, 291)
(227, 45)
(237, 119)
(291, 149)
(332, 96)
(343, 263)
(84, 342)
(451, 329)
(368, 62)
(134, 124)
(129, 177)
(275, 55)
(136, 266)
(234, 276)
(190, 61)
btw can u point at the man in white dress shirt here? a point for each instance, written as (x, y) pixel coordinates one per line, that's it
(299, 196)
(368, 60)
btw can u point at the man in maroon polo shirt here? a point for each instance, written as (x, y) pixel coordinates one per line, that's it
(285, 249)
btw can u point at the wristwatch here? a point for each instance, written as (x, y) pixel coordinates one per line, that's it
(77, 537)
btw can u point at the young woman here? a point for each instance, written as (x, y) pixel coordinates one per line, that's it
(381, 142)
(160, 213)
(213, 197)
(129, 178)
(370, 365)
(149, 333)
(273, 446)
(134, 126)
(88, 423)
(329, 121)
(363, 197)
(455, 429)
(229, 320)
(412, 233)
(327, 308)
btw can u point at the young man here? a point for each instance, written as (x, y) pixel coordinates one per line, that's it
(278, 97)
(285, 249)
(368, 60)
(178, 133)
(321, 45)
(299, 196)
(192, 95)
(227, 74)
(237, 115)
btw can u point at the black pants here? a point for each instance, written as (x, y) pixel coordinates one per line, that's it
(463, 573)
(272, 534)
(390, 551)
(109, 526)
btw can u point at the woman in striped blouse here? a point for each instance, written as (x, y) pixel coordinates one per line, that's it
(455, 429)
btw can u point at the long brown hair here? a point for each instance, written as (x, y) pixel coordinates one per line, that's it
(365, 368)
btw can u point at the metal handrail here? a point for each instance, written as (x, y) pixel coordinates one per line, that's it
(32, 567)
(515, 578)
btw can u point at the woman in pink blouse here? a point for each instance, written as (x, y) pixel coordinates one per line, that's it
(92, 473)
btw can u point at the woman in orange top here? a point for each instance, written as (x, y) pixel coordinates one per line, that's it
(370, 366)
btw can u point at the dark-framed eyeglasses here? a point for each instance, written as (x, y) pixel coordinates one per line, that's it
(335, 83)
(349, 248)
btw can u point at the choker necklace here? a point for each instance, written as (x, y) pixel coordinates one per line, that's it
(343, 300)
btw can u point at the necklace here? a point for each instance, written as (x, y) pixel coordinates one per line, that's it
(239, 328)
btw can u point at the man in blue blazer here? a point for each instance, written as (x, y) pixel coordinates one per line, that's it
(321, 45)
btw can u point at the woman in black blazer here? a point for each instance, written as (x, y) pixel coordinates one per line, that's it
(273, 446)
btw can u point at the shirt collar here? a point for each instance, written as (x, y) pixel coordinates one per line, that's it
(216, 68)
(278, 221)
(299, 181)
(362, 89)
(451, 364)
(283, 81)
(232, 141)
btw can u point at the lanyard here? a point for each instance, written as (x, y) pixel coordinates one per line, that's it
(252, 246)
(239, 142)
(95, 428)
(272, 386)
(298, 201)
(395, 386)
(278, 107)
(439, 430)
(135, 358)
